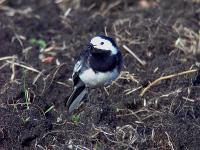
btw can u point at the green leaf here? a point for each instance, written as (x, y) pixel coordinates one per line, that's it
(76, 118)
(33, 41)
(42, 43)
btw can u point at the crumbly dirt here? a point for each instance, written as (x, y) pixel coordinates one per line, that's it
(39, 41)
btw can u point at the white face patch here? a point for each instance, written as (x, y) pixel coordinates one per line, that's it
(100, 43)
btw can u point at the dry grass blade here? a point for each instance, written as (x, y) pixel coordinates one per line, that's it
(62, 83)
(130, 113)
(67, 12)
(130, 91)
(125, 75)
(13, 70)
(12, 12)
(188, 99)
(24, 66)
(189, 40)
(169, 141)
(7, 57)
(111, 6)
(118, 137)
(142, 62)
(165, 78)
(105, 30)
(13, 58)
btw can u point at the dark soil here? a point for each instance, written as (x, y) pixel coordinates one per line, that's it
(35, 84)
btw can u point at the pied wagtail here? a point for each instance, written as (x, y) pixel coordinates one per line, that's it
(96, 66)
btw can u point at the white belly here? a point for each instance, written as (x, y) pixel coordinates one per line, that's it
(92, 79)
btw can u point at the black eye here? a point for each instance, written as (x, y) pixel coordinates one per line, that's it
(102, 43)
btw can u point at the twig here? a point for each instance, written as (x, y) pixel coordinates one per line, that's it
(142, 62)
(165, 78)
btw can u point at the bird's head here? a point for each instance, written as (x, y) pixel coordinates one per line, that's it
(101, 44)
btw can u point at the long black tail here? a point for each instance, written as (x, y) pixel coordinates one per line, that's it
(77, 96)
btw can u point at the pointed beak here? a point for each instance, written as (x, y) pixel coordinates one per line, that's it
(94, 50)
(91, 47)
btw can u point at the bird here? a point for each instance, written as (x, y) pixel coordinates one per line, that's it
(98, 65)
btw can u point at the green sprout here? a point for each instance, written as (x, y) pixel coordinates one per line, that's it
(76, 118)
(41, 43)
(26, 94)
(49, 109)
(27, 98)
